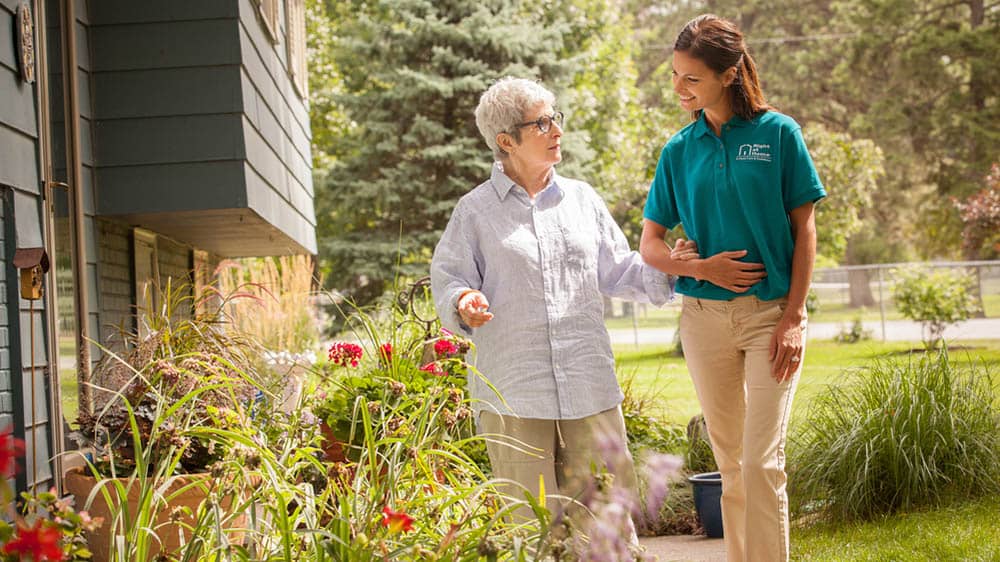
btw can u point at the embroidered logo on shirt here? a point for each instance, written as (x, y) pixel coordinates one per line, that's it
(757, 152)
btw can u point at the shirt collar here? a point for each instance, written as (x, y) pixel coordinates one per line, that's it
(502, 183)
(701, 127)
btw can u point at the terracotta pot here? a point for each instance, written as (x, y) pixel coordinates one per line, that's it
(80, 484)
(332, 447)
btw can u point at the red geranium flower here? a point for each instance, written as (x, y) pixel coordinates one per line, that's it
(386, 352)
(40, 543)
(396, 521)
(10, 449)
(343, 353)
(434, 369)
(445, 348)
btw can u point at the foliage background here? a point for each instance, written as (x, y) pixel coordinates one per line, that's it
(898, 100)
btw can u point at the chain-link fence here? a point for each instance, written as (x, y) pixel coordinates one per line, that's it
(841, 296)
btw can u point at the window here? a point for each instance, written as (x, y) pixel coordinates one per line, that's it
(268, 10)
(147, 277)
(295, 12)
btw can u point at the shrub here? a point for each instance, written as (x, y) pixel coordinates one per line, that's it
(855, 333)
(934, 299)
(913, 432)
(645, 430)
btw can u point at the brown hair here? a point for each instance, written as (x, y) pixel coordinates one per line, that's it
(719, 44)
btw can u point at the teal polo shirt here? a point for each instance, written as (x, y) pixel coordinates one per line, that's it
(734, 192)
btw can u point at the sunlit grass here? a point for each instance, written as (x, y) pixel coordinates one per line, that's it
(966, 532)
(826, 363)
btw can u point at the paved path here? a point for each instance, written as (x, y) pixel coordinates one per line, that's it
(896, 330)
(685, 548)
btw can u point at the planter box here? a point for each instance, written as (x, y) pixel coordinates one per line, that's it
(708, 502)
(80, 484)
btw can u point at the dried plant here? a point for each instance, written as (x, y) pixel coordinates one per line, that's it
(281, 314)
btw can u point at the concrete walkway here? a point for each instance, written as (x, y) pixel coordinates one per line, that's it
(685, 548)
(896, 330)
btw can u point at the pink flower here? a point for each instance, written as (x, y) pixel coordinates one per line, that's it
(445, 348)
(434, 369)
(386, 352)
(343, 353)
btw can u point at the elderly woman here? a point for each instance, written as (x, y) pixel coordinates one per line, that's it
(521, 269)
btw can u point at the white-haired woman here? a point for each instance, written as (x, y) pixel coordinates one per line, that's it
(522, 268)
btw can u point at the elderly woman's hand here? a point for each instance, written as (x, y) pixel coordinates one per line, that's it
(474, 309)
(684, 250)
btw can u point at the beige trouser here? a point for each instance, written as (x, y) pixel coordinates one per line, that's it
(727, 348)
(560, 451)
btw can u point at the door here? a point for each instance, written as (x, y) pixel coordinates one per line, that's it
(59, 147)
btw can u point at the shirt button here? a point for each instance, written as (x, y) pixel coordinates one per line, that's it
(720, 165)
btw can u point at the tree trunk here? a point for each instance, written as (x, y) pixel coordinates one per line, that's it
(861, 290)
(859, 281)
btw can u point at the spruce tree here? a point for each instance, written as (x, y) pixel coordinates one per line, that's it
(413, 71)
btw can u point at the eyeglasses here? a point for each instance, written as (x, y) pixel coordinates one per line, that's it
(544, 123)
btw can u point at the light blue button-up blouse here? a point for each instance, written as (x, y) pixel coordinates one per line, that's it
(544, 265)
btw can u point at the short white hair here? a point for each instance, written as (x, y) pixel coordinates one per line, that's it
(502, 107)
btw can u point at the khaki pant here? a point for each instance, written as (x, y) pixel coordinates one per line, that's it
(727, 348)
(562, 452)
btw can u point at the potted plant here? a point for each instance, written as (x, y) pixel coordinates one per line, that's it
(168, 407)
(418, 370)
(706, 481)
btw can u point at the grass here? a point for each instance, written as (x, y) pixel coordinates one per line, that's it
(658, 372)
(965, 532)
(830, 311)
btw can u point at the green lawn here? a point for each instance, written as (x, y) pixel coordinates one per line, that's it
(837, 312)
(660, 374)
(966, 532)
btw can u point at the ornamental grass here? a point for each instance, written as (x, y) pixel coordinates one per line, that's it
(914, 431)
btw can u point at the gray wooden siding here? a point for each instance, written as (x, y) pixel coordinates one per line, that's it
(276, 131)
(174, 262)
(167, 105)
(21, 227)
(116, 287)
(185, 95)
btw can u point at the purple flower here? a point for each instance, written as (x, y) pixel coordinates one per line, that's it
(659, 469)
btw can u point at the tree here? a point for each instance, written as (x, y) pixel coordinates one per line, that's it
(934, 299)
(850, 170)
(412, 72)
(980, 214)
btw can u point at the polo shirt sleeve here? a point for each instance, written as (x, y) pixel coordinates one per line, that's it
(800, 184)
(661, 203)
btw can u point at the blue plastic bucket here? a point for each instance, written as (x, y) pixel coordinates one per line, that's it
(708, 501)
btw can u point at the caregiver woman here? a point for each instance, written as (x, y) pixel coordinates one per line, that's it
(741, 182)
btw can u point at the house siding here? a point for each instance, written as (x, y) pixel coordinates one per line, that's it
(21, 228)
(276, 129)
(187, 96)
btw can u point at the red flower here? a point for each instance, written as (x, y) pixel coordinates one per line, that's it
(386, 352)
(343, 353)
(445, 348)
(396, 521)
(10, 449)
(40, 543)
(434, 369)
